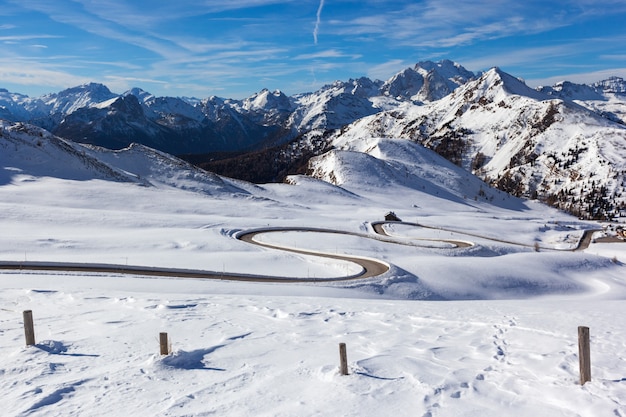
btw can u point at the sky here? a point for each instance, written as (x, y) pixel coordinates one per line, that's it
(234, 48)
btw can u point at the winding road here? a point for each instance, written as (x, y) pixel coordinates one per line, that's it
(369, 267)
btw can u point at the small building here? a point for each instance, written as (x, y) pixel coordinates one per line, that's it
(391, 217)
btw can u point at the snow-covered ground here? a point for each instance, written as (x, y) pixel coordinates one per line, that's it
(484, 330)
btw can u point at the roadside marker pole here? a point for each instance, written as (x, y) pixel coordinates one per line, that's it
(164, 344)
(584, 354)
(29, 328)
(343, 359)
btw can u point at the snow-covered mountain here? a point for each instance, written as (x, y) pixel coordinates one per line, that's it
(612, 85)
(91, 113)
(392, 166)
(12, 105)
(193, 126)
(518, 139)
(427, 81)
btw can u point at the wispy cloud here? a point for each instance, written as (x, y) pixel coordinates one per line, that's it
(32, 73)
(614, 57)
(520, 56)
(121, 83)
(557, 58)
(19, 38)
(243, 45)
(385, 70)
(94, 24)
(329, 53)
(451, 23)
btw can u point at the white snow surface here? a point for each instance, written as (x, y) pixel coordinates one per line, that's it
(487, 329)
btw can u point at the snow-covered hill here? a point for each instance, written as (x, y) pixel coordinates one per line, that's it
(391, 165)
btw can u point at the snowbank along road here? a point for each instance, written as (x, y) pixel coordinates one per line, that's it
(369, 267)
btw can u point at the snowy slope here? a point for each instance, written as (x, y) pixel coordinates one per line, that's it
(29, 152)
(388, 164)
(500, 340)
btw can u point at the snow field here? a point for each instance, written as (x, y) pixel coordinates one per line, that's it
(248, 354)
(485, 330)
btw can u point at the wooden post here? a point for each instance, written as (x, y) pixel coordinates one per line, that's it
(343, 359)
(584, 355)
(164, 344)
(29, 328)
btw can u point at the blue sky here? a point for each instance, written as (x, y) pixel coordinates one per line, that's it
(233, 48)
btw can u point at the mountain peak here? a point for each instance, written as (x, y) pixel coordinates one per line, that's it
(267, 100)
(74, 98)
(447, 69)
(96, 89)
(141, 94)
(427, 81)
(497, 84)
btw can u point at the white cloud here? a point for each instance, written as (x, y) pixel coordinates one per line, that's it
(387, 69)
(329, 53)
(521, 56)
(31, 73)
(19, 38)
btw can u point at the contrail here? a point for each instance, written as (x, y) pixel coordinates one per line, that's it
(317, 22)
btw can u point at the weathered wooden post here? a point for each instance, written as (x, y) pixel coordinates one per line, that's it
(584, 354)
(343, 359)
(29, 328)
(164, 344)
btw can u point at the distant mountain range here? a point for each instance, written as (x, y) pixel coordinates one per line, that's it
(92, 114)
(562, 144)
